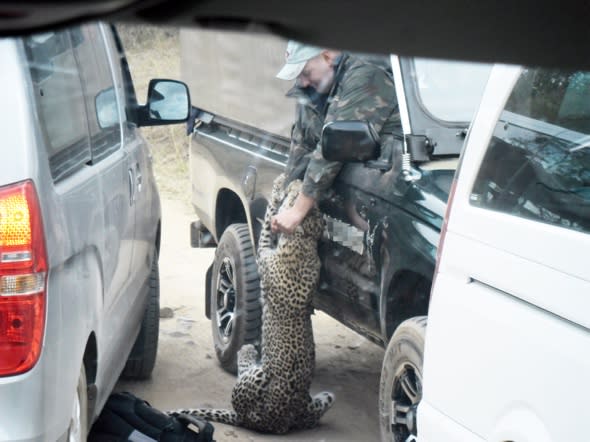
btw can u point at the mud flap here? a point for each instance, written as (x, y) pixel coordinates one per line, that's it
(200, 236)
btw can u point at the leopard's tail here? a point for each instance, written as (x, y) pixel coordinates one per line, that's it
(222, 416)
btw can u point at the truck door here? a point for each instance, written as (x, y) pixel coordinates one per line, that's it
(356, 224)
(385, 219)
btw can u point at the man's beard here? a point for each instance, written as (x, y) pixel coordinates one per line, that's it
(326, 83)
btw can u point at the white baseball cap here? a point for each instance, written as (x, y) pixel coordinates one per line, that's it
(297, 56)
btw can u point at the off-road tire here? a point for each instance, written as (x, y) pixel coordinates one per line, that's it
(401, 380)
(143, 356)
(234, 296)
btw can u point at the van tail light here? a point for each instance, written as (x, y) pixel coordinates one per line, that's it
(443, 230)
(23, 278)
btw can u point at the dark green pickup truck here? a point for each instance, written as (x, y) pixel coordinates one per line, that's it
(382, 224)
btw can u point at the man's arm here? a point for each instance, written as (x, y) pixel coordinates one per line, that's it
(368, 94)
(304, 137)
(288, 220)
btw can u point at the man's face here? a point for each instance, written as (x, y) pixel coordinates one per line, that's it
(317, 73)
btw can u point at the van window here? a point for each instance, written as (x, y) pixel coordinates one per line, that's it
(59, 100)
(537, 165)
(99, 92)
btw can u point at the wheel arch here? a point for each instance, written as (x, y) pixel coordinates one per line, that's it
(90, 361)
(230, 208)
(159, 236)
(90, 358)
(406, 296)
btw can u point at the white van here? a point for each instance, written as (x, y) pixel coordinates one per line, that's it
(507, 345)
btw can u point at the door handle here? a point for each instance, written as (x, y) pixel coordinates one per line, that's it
(131, 187)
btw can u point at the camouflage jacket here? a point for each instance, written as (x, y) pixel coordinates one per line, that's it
(361, 91)
(306, 132)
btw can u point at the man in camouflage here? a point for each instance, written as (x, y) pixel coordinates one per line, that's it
(331, 86)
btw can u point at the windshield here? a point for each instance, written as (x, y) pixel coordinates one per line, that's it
(449, 90)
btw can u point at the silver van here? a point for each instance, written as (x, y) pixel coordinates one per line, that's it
(79, 229)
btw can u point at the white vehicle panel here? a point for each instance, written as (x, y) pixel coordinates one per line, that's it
(491, 357)
(509, 320)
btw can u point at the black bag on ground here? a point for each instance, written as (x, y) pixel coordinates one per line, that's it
(126, 417)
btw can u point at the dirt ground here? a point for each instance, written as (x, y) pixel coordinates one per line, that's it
(187, 373)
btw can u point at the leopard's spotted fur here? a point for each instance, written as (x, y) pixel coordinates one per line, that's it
(273, 395)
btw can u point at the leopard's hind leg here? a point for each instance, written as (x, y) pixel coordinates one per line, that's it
(317, 407)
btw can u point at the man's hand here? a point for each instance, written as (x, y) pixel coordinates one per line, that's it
(288, 220)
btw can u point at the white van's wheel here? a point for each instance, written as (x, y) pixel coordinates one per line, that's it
(235, 296)
(400, 389)
(78, 429)
(142, 359)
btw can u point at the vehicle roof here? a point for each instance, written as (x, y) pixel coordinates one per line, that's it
(526, 32)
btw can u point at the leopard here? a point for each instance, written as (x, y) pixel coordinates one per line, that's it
(272, 392)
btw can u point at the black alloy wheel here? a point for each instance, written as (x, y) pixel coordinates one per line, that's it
(400, 390)
(235, 296)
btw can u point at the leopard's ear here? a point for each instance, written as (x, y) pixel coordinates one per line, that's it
(279, 181)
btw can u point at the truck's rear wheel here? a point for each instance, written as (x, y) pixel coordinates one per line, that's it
(235, 296)
(400, 389)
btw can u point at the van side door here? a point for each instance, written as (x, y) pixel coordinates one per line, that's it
(110, 161)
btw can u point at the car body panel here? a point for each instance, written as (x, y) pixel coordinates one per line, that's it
(99, 262)
(436, 426)
(508, 323)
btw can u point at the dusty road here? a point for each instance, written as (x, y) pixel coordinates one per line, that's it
(187, 373)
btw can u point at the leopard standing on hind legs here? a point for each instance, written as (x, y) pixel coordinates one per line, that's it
(272, 395)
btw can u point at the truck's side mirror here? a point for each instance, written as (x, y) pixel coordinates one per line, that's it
(350, 141)
(168, 102)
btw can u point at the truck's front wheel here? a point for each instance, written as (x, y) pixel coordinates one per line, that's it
(234, 296)
(400, 391)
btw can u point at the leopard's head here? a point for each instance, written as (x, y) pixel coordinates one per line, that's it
(278, 191)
